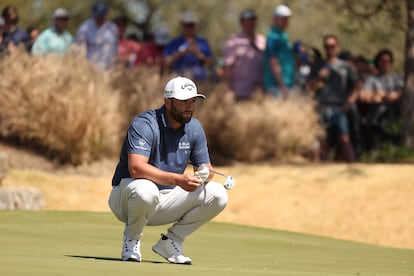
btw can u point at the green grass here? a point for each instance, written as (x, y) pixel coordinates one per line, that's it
(87, 243)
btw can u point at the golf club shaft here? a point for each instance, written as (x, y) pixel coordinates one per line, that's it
(218, 173)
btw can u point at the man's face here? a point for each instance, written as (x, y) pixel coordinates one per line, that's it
(248, 25)
(61, 23)
(188, 29)
(281, 22)
(331, 47)
(385, 63)
(100, 20)
(182, 111)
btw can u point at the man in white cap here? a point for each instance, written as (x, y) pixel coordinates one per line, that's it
(149, 183)
(56, 38)
(188, 54)
(279, 60)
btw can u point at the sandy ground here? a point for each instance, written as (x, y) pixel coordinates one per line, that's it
(367, 203)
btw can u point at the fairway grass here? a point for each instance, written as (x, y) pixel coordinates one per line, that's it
(89, 243)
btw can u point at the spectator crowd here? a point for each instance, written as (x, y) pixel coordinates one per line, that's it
(358, 100)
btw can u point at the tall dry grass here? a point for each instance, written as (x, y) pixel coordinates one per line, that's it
(58, 105)
(139, 89)
(262, 129)
(62, 106)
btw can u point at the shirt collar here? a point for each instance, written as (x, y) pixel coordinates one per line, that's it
(162, 120)
(276, 29)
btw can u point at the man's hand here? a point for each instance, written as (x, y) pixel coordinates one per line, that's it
(324, 73)
(189, 182)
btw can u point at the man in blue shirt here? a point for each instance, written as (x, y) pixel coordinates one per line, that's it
(279, 61)
(12, 35)
(150, 186)
(189, 54)
(54, 39)
(100, 37)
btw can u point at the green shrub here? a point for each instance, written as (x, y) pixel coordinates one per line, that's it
(388, 152)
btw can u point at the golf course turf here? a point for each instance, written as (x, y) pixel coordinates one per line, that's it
(89, 243)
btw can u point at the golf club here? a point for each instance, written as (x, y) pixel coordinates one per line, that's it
(229, 183)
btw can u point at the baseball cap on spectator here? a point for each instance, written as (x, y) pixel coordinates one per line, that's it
(1, 21)
(181, 88)
(248, 14)
(100, 9)
(161, 36)
(189, 17)
(60, 13)
(282, 11)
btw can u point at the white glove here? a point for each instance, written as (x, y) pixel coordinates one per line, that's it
(203, 172)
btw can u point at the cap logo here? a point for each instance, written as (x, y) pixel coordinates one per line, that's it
(187, 85)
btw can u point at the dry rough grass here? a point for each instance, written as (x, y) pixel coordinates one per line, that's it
(58, 105)
(62, 107)
(260, 130)
(139, 89)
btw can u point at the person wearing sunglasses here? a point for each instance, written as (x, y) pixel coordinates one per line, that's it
(336, 98)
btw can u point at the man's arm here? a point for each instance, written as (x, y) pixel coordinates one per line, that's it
(277, 74)
(353, 96)
(39, 46)
(173, 57)
(140, 168)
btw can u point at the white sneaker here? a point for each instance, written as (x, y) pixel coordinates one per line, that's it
(131, 250)
(171, 250)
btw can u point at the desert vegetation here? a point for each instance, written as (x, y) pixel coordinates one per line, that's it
(61, 107)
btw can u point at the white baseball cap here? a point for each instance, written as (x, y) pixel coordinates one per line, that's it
(282, 11)
(189, 17)
(181, 88)
(60, 13)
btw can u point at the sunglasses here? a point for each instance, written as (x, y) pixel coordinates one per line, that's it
(330, 46)
(189, 25)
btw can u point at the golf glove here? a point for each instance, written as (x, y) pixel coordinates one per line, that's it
(203, 172)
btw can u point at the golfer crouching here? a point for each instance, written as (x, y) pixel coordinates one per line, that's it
(149, 184)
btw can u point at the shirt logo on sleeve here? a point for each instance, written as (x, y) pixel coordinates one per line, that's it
(141, 145)
(141, 142)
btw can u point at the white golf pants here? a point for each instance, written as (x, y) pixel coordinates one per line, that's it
(138, 202)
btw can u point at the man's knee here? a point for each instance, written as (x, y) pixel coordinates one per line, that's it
(217, 195)
(143, 191)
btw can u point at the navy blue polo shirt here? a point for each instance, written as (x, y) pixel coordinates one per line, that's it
(150, 135)
(189, 62)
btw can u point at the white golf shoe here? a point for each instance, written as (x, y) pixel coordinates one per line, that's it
(131, 250)
(171, 250)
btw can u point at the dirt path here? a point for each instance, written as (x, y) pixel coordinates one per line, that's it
(368, 203)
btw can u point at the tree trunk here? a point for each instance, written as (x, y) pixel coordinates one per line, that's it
(408, 94)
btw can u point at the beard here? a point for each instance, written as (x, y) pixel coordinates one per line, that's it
(181, 117)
